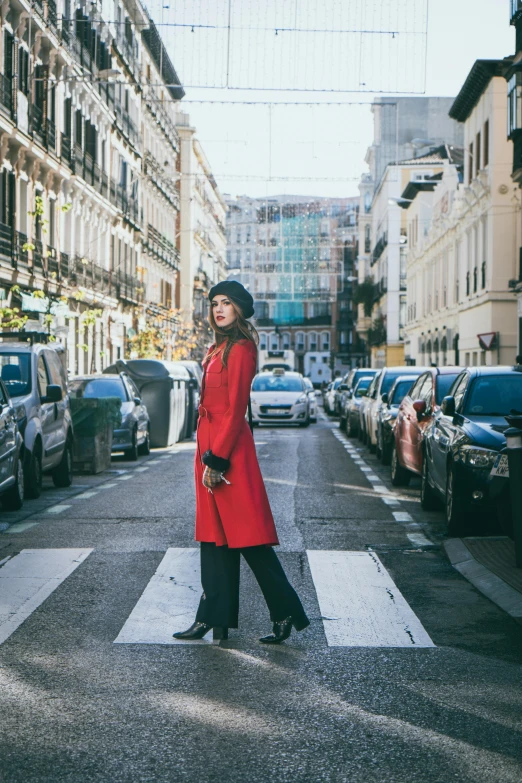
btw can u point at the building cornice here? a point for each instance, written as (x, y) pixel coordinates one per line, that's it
(482, 72)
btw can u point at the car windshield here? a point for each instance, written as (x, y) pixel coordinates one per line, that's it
(400, 391)
(494, 395)
(362, 385)
(337, 383)
(443, 386)
(98, 387)
(16, 373)
(276, 383)
(389, 379)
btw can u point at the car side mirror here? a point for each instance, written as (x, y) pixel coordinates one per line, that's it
(384, 398)
(419, 406)
(54, 393)
(447, 406)
(137, 400)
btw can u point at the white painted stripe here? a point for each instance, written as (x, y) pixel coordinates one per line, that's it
(125, 478)
(156, 461)
(380, 488)
(372, 477)
(21, 527)
(140, 470)
(86, 495)
(57, 509)
(366, 470)
(419, 539)
(29, 578)
(109, 485)
(402, 516)
(390, 501)
(168, 603)
(360, 603)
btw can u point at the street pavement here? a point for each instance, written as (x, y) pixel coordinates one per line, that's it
(407, 673)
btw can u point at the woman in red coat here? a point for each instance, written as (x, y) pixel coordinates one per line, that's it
(233, 515)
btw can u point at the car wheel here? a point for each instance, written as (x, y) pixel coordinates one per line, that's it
(62, 474)
(455, 506)
(386, 454)
(428, 495)
(144, 449)
(305, 423)
(378, 448)
(132, 453)
(13, 499)
(342, 424)
(400, 477)
(33, 473)
(349, 427)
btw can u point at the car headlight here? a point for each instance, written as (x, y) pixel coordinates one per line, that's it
(302, 398)
(479, 458)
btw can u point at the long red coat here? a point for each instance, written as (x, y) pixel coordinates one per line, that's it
(237, 514)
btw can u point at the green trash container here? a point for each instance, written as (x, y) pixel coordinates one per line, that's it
(94, 419)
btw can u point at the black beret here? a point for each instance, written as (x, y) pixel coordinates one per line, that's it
(237, 293)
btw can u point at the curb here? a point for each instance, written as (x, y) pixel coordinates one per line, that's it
(490, 585)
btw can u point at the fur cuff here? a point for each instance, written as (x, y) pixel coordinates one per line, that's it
(214, 462)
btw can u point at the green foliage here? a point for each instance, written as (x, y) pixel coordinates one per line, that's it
(364, 295)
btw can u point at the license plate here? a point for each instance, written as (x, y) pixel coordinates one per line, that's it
(500, 467)
(277, 411)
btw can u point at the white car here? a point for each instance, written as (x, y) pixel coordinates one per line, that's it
(312, 397)
(280, 397)
(329, 397)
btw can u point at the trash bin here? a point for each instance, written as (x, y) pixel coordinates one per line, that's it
(93, 422)
(165, 391)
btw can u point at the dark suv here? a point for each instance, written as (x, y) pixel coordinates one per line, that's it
(34, 374)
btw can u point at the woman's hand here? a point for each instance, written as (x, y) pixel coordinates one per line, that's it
(211, 478)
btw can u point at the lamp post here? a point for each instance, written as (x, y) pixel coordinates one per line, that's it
(514, 451)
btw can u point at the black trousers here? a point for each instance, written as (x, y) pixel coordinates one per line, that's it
(219, 604)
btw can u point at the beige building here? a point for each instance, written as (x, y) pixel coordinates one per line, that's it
(463, 239)
(202, 226)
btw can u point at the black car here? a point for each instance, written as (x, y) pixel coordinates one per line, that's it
(464, 439)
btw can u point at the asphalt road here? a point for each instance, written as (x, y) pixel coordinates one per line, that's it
(75, 706)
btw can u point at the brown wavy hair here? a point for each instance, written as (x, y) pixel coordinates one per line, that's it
(225, 339)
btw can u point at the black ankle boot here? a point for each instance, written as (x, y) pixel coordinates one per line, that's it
(282, 630)
(199, 630)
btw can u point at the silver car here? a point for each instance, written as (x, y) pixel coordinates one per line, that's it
(280, 397)
(312, 397)
(351, 411)
(133, 435)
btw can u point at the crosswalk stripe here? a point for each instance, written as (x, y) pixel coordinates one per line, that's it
(360, 603)
(30, 577)
(168, 603)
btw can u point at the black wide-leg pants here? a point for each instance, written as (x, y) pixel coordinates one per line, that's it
(219, 604)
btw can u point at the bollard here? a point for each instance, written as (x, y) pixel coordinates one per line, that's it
(514, 451)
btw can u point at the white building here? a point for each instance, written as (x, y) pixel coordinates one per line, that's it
(463, 244)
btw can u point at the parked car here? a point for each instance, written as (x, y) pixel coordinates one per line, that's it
(363, 407)
(133, 435)
(415, 415)
(388, 415)
(464, 439)
(386, 380)
(312, 397)
(346, 388)
(35, 377)
(329, 397)
(351, 412)
(11, 455)
(280, 397)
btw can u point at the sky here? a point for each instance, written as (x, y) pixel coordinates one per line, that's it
(259, 148)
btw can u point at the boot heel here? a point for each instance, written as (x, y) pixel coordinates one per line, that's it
(219, 634)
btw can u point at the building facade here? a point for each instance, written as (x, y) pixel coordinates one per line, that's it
(463, 246)
(89, 177)
(296, 255)
(513, 75)
(203, 260)
(404, 129)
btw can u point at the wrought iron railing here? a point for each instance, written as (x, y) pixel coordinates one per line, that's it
(6, 94)
(6, 241)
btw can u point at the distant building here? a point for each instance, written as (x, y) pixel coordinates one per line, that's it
(462, 229)
(514, 107)
(404, 129)
(296, 255)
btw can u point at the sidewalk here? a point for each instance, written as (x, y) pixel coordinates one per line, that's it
(489, 564)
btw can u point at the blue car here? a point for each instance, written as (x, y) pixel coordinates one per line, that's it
(464, 440)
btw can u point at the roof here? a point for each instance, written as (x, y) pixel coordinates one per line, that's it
(437, 155)
(159, 54)
(476, 83)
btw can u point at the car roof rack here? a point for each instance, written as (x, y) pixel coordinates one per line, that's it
(27, 337)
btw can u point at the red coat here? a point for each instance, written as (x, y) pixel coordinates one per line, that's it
(237, 514)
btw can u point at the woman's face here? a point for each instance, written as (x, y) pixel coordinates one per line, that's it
(223, 311)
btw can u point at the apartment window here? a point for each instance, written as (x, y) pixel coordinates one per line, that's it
(312, 341)
(23, 70)
(274, 341)
(299, 340)
(515, 103)
(477, 154)
(486, 143)
(325, 339)
(483, 275)
(475, 279)
(78, 126)
(286, 341)
(468, 277)
(470, 164)
(262, 341)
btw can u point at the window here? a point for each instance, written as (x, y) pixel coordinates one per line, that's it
(286, 341)
(274, 341)
(459, 390)
(262, 341)
(312, 341)
(483, 275)
(477, 154)
(486, 143)
(475, 280)
(467, 283)
(16, 373)
(325, 341)
(470, 164)
(299, 340)
(515, 103)
(55, 368)
(42, 376)
(23, 70)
